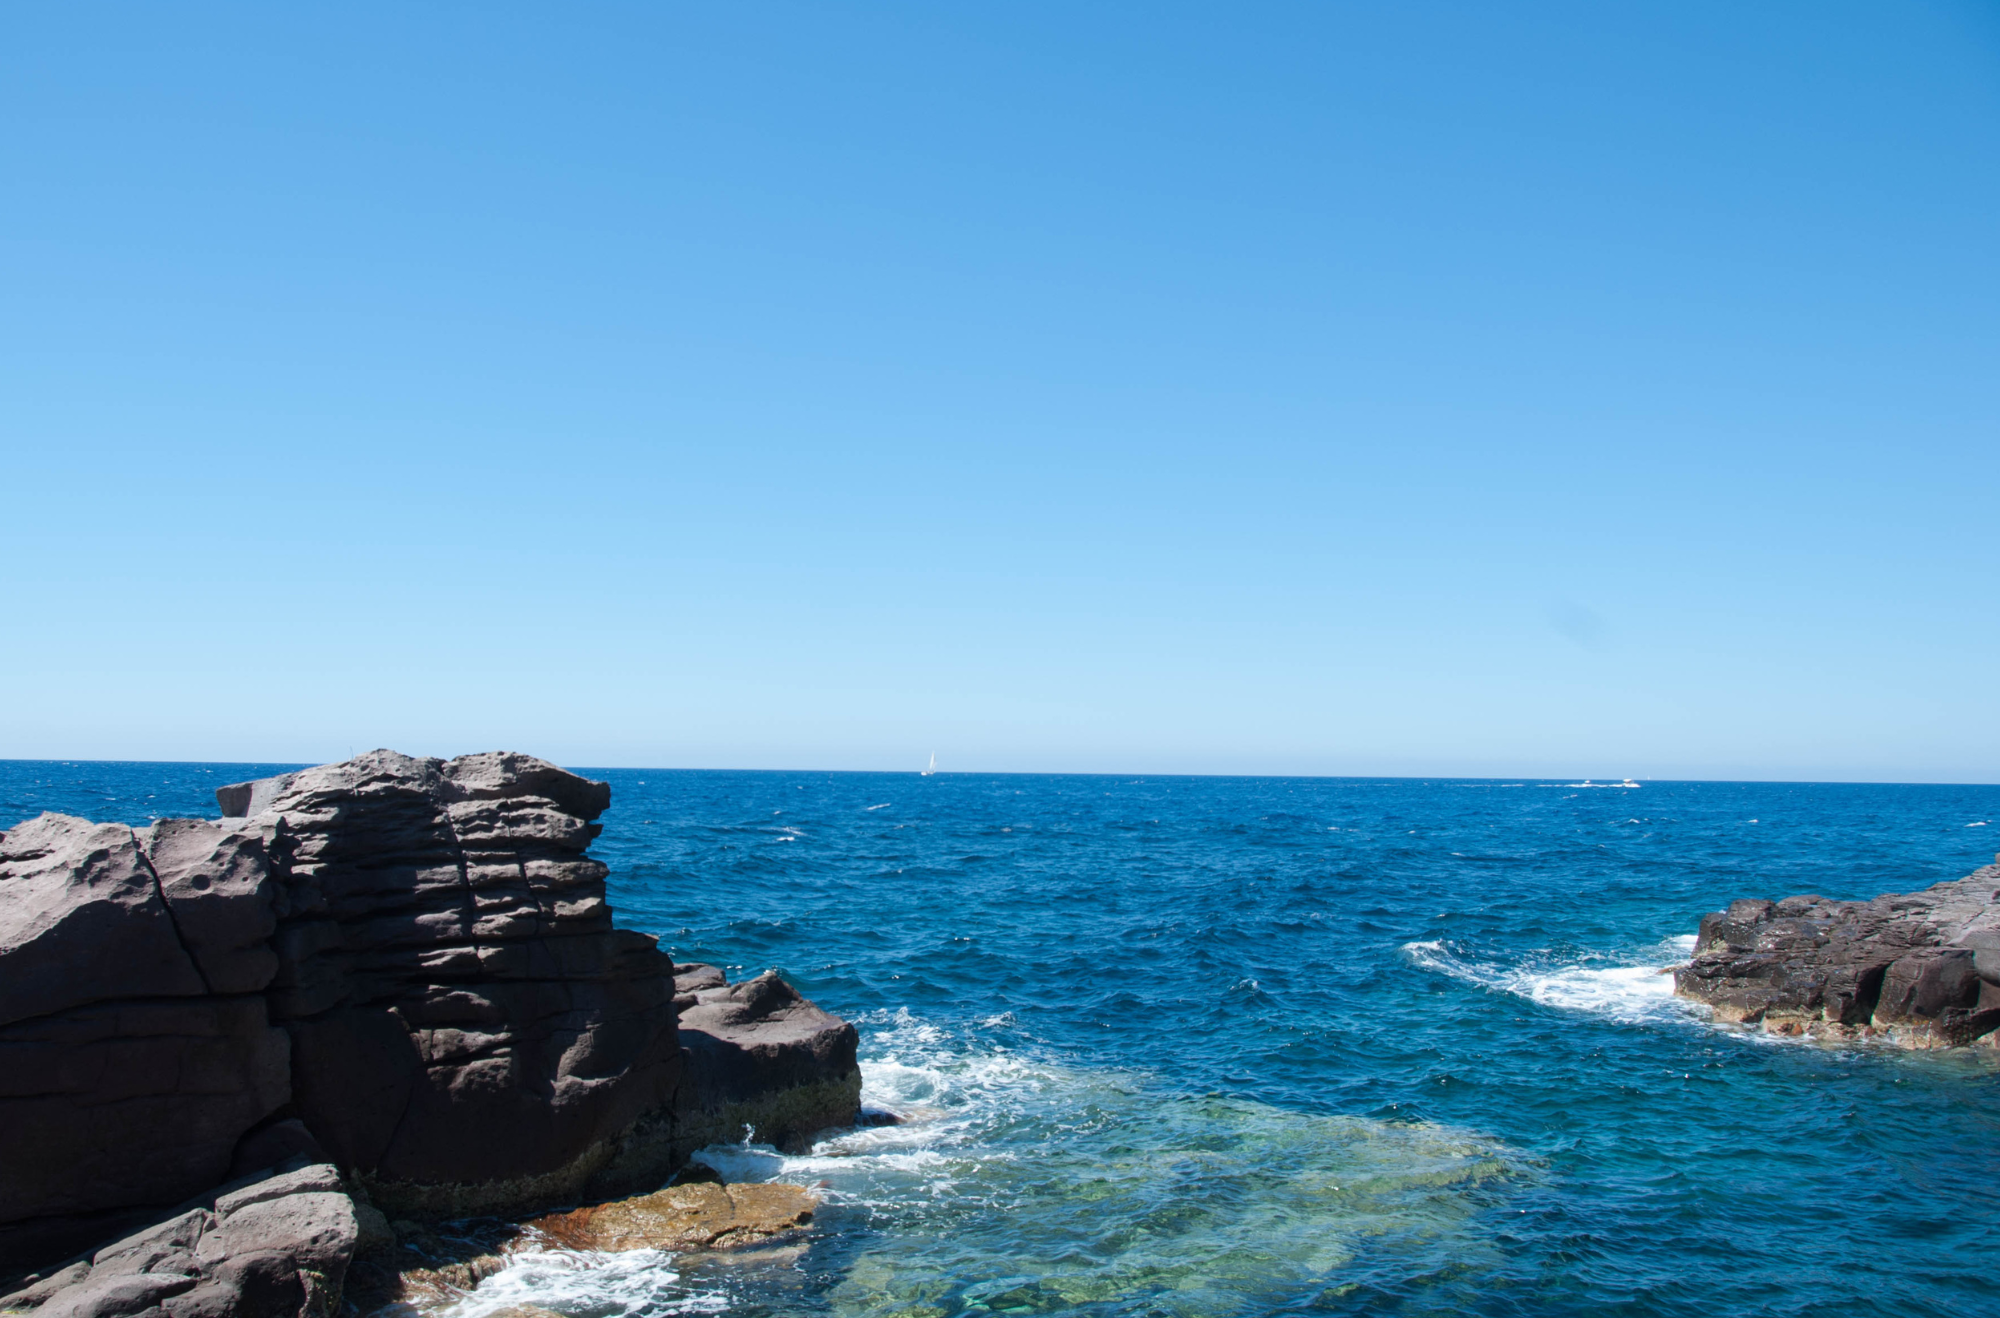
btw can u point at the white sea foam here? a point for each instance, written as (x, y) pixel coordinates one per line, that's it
(634, 1282)
(1601, 986)
(944, 1101)
(1015, 1182)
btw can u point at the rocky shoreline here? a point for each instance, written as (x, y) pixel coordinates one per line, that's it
(1919, 970)
(385, 990)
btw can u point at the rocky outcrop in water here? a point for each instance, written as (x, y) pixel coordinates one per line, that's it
(469, 1033)
(762, 1058)
(1920, 969)
(403, 967)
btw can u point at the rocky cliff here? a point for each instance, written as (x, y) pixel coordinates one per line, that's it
(468, 1031)
(138, 1046)
(1920, 969)
(404, 968)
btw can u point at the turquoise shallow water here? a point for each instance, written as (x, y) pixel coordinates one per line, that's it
(1250, 1046)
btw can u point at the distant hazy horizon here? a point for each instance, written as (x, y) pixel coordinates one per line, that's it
(1603, 781)
(1549, 390)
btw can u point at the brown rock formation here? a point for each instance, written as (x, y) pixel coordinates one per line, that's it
(404, 967)
(469, 1033)
(138, 1050)
(701, 1215)
(1920, 969)
(761, 1059)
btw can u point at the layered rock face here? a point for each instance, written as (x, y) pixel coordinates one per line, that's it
(136, 1049)
(469, 1033)
(404, 967)
(1920, 969)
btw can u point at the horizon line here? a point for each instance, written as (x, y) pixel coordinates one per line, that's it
(1609, 781)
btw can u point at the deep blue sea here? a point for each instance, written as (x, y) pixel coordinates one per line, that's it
(1222, 1046)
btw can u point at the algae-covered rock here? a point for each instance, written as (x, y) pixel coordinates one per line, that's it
(699, 1215)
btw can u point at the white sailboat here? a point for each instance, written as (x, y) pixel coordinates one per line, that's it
(925, 773)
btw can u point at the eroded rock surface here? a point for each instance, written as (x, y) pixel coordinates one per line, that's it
(762, 1058)
(405, 967)
(277, 1247)
(701, 1215)
(136, 1050)
(1920, 969)
(469, 1033)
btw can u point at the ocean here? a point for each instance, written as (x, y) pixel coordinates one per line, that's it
(1244, 1046)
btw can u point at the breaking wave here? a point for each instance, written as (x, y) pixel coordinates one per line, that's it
(1630, 989)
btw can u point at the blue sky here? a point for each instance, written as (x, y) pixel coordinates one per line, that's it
(1316, 388)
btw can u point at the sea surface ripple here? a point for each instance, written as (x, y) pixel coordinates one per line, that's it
(1222, 1046)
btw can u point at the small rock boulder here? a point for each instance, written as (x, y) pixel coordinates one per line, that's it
(762, 1056)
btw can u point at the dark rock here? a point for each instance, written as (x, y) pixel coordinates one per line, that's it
(275, 1248)
(469, 1032)
(113, 1030)
(761, 1056)
(274, 1144)
(690, 980)
(402, 966)
(216, 881)
(73, 895)
(266, 1282)
(1914, 968)
(376, 1235)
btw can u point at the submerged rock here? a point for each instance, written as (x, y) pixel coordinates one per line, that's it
(428, 1269)
(1918, 969)
(699, 1215)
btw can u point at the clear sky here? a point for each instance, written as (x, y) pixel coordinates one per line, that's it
(1392, 388)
